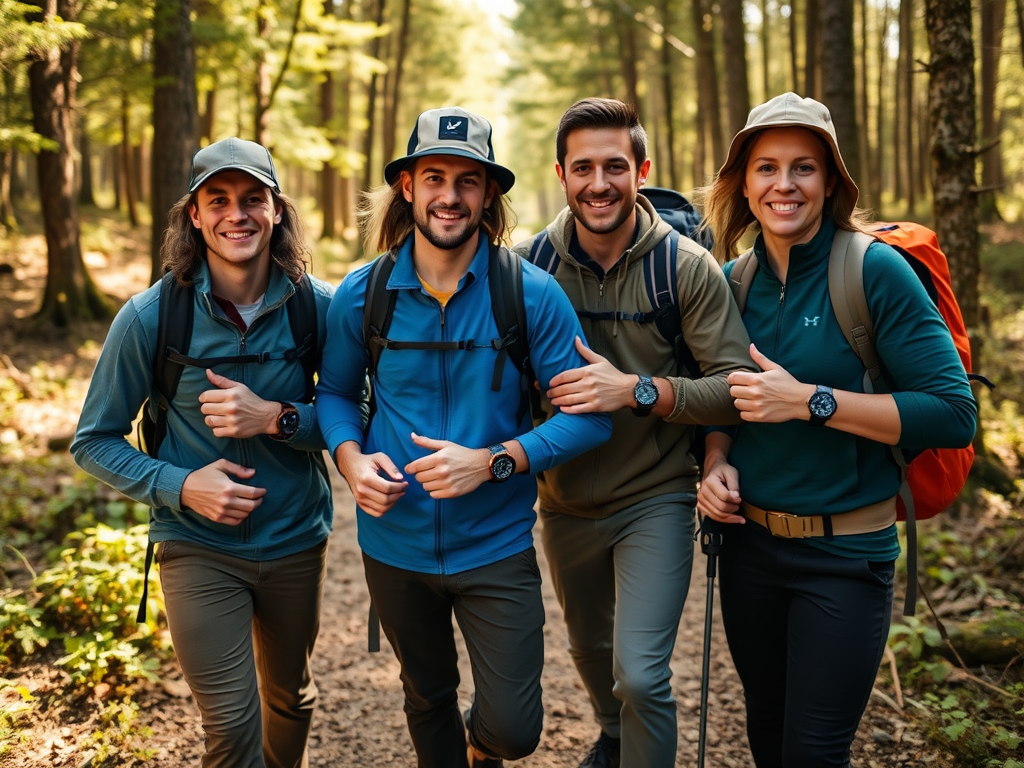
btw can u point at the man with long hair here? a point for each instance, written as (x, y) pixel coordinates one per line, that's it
(442, 473)
(241, 502)
(618, 522)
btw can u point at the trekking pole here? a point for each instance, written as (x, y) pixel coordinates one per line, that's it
(710, 545)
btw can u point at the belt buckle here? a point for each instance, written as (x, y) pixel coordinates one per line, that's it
(782, 524)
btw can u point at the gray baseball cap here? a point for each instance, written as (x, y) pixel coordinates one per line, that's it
(233, 155)
(452, 131)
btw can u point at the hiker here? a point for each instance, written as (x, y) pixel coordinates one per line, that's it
(618, 521)
(241, 504)
(807, 619)
(443, 476)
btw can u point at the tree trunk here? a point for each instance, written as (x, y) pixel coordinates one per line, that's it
(794, 56)
(261, 80)
(709, 111)
(906, 156)
(838, 89)
(734, 41)
(866, 180)
(390, 128)
(766, 80)
(993, 19)
(209, 116)
(85, 191)
(879, 171)
(371, 103)
(625, 29)
(667, 91)
(8, 217)
(812, 49)
(175, 115)
(127, 165)
(70, 293)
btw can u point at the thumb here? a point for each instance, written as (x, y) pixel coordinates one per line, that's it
(761, 361)
(428, 442)
(587, 353)
(230, 468)
(223, 382)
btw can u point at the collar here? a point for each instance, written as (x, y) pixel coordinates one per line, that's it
(404, 276)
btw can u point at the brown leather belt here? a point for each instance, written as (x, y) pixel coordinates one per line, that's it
(874, 517)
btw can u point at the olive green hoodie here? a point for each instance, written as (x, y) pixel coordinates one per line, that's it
(646, 456)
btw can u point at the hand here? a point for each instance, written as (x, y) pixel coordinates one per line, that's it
(719, 496)
(772, 396)
(598, 387)
(212, 493)
(451, 470)
(375, 481)
(232, 410)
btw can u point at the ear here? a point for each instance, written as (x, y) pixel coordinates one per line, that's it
(193, 214)
(561, 176)
(644, 172)
(278, 212)
(406, 181)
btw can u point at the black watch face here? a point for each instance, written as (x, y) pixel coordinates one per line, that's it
(502, 467)
(288, 423)
(822, 405)
(646, 394)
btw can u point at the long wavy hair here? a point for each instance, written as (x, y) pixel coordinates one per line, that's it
(183, 246)
(727, 212)
(387, 220)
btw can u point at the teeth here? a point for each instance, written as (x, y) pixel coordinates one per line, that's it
(236, 235)
(599, 203)
(446, 215)
(782, 207)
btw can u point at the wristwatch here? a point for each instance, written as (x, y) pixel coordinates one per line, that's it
(646, 394)
(287, 422)
(822, 405)
(502, 465)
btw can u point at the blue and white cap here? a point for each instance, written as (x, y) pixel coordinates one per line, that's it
(452, 131)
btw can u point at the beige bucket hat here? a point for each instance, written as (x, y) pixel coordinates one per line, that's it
(787, 110)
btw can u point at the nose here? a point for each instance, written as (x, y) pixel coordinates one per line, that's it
(784, 182)
(236, 211)
(600, 181)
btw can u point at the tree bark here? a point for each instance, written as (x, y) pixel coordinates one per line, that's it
(709, 111)
(127, 165)
(812, 49)
(625, 29)
(390, 128)
(952, 98)
(906, 156)
(766, 80)
(838, 89)
(794, 57)
(70, 293)
(371, 103)
(261, 79)
(85, 185)
(865, 180)
(993, 19)
(667, 91)
(734, 41)
(175, 115)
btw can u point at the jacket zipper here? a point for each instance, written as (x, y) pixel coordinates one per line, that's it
(438, 504)
(244, 454)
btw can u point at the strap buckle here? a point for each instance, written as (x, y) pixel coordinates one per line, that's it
(789, 526)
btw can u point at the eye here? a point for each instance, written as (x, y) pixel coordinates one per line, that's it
(765, 168)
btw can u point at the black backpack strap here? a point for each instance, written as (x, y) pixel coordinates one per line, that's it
(663, 291)
(505, 280)
(543, 253)
(302, 318)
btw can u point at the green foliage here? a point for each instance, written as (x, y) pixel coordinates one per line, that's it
(965, 727)
(22, 631)
(13, 717)
(119, 733)
(97, 656)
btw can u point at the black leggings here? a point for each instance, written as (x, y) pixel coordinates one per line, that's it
(806, 630)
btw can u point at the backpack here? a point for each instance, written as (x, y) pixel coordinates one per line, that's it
(932, 478)
(505, 280)
(659, 267)
(174, 334)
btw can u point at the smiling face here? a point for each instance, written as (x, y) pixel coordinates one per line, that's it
(601, 178)
(236, 214)
(449, 195)
(786, 183)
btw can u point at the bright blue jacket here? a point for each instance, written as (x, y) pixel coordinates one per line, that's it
(447, 395)
(297, 510)
(807, 470)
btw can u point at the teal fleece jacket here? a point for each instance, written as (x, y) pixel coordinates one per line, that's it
(807, 470)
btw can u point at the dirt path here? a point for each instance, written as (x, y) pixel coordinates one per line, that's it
(359, 721)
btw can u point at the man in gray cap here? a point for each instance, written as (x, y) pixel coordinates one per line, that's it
(241, 504)
(442, 475)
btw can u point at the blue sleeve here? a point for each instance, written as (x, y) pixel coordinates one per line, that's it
(920, 361)
(121, 382)
(340, 389)
(553, 328)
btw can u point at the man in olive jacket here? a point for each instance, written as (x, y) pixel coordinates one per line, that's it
(619, 520)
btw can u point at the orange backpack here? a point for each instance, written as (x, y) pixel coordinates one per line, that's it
(932, 478)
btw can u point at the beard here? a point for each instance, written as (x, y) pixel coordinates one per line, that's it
(446, 239)
(599, 226)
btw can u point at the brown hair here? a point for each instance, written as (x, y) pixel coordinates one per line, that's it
(595, 113)
(727, 213)
(183, 245)
(386, 216)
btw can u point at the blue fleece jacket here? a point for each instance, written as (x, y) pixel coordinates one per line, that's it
(803, 469)
(447, 395)
(297, 510)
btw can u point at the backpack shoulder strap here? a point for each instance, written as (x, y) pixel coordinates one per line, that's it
(509, 308)
(662, 285)
(543, 253)
(173, 336)
(849, 302)
(302, 319)
(379, 305)
(742, 277)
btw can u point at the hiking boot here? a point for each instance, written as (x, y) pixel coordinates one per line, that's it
(476, 761)
(604, 753)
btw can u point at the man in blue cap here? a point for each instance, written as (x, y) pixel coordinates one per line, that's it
(442, 475)
(241, 502)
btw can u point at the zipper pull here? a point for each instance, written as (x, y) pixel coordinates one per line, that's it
(782, 293)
